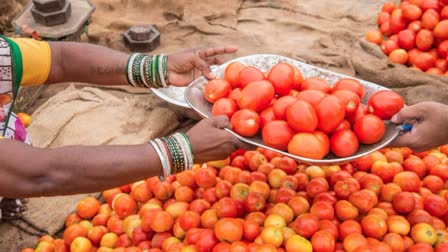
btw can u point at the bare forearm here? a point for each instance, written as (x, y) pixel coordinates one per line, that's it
(71, 170)
(80, 62)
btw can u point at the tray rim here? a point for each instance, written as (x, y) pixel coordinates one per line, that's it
(310, 161)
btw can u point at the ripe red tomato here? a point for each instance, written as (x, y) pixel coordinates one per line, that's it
(415, 25)
(344, 143)
(245, 122)
(313, 97)
(374, 36)
(397, 21)
(324, 139)
(250, 74)
(430, 4)
(349, 99)
(224, 106)
(256, 96)
(277, 134)
(411, 12)
(383, 17)
(425, 61)
(232, 73)
(351, 85)
(315, 83)
(298, 78)
(235, 94)
(267, 116)
(398, 56)
(403, 202)
(442, 48)
(441, 30)
(281, 105)
(369, 129)
(282, 78)
(302, 117)
(406, 39)
(436, 205)
(360, 112)
(307, 145)
(385, 104)
(424, 40)
(430, 19)
(330, 113)
(216, 89)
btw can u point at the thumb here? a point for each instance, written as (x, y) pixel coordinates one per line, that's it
(407, 114)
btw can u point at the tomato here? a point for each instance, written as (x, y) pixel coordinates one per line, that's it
(302, 117)
(350, 85)
(374, 226)
(415, 25)
(313, 97)
(81, 244)
(250, 74)
(235, 94)
(88, 208)
(224, 106)
(307, 145)
(423, 232)
(277, 134)
(408, 181)
(397, 21)
(398, 56)
(403, 202)
(232, 73)
(385, 28)
(267, 116)
(344, 143)
(317, 186)
(442, 49)
(435, 70)
(322, 210)
(349, 99)
(73, 231)
(383, 17)
(354, 241)
(424, 40)
(229, 230)
(425, 61)
(411, 12)
(281, 105)
(298, 78)
(330, 113)
(374, 36)
(385, 104)
(436, 205)
(360, 112)
(406, 39)
(323, 241)
(216, 89)
(315, 83)
(245, 122)
(430, 19)
(364, 200)
(226, 207)
(256, 96)
(388, 7)
(441, 30)
(369, 129)
(282, 77)
(305, 225)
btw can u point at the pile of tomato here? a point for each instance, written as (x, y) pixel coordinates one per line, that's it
(257, 201)
(306, 117)
(417, 34)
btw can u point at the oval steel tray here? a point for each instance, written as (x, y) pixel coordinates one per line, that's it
(194, 96)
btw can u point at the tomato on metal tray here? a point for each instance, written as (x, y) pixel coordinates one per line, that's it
(282, 77)
(267, 116)
(349, 99)
(302, 117)
(277, 134)
(385, 104)
(330, 113)
(250, 74)
(281, 105)
(245, 122)
(232, 74)
(224, 106)
(344, 143)
(307, 145)
(256, 96)
(369, 129)
(313, 97)
(216, 89)
(315, 83)
(351, 85)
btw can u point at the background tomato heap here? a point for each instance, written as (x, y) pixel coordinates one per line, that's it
(417, 33)
(306, 117)
(391, 200)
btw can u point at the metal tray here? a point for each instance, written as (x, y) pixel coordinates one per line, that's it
(194, 96)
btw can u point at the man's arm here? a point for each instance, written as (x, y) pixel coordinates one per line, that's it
(28, 172)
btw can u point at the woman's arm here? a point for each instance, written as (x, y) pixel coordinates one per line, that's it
(27, 171)
(80, 62)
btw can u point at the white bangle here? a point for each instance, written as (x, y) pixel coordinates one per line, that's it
(165, 155)
(130, 62)
(161, 73)
(159, 153)
(188, 156)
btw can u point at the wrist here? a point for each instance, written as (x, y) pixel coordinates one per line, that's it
(147, 71)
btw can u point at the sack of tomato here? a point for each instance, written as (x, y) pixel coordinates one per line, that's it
(309, 117)
(391, 200)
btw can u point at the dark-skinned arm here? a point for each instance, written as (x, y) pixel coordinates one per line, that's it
(29, 172)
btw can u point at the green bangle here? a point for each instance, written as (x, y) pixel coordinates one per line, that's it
(154, 70)
(148, 73)
(136, 70)
(188, 141)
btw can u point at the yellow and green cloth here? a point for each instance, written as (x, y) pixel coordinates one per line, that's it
(22, 62)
